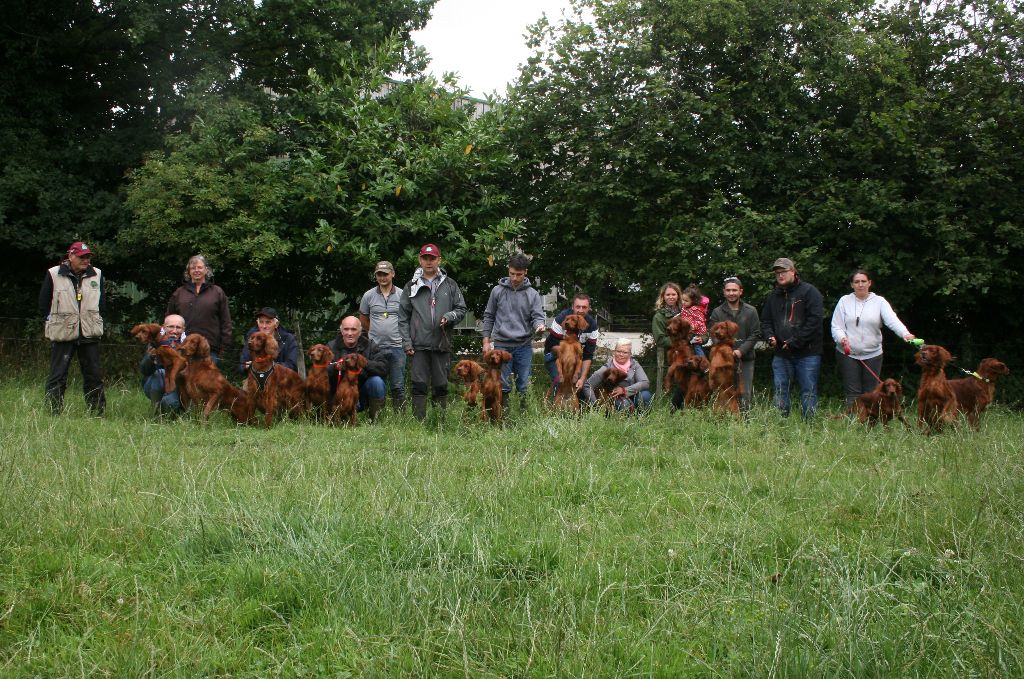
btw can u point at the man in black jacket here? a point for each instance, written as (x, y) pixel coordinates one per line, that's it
(350, 340)
(791, 322)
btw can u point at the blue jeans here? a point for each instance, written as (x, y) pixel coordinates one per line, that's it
(806, 369)
(153, 387)
(372, 387)
(638, 402)
(394, 358)
(522, 360)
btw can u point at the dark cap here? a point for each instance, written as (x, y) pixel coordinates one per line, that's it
(269, 312)
(783, 263)
(79, 249)
(385, 266)
(430, 249)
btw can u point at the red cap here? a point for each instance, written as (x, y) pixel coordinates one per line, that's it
(430, 249)
(79, 249)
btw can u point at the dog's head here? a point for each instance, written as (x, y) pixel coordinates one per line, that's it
(698, 363)
(574, 324)
(933, 356)
(146, 333)
(724, 331)
(497, 358)
(612, 377)
(354, 362)
(195, 346)
(467, 369)
(680, 328)
(320, 354)
(991, 368)
(262, 345)
(891, 388)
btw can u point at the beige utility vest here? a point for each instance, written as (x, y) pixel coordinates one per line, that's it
(70, 317)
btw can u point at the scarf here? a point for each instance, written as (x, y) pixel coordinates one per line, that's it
(624, 367)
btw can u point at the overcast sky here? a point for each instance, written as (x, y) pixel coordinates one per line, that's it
(483, 40)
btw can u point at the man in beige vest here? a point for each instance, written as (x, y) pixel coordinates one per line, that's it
(71, 300)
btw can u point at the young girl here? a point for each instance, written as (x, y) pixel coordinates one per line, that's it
(694, 308)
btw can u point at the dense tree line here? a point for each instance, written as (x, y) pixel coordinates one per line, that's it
(652, 140)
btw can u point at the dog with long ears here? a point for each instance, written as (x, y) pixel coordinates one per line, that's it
(974, 394)
(494, 360)
(272, 387)
(470, 372)
(698, 388)
(318, 388)
(206, 386)
(569, 360)
(603, 392)
(680, 330)
(170, 357)
(936, 402)
(722, 375)
(346, 394)
(883, 404)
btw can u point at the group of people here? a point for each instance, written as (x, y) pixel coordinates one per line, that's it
(413, 325)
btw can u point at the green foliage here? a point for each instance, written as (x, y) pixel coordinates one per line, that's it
(699, 139)
(671, 545)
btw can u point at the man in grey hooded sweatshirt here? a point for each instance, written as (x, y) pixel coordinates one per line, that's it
(513, 314)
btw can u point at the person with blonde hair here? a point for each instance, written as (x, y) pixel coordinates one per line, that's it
(667, 307)
(634, 391)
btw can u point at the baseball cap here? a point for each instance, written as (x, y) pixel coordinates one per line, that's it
(269, 312)
(430, 249)
(783, 263)
(384, 266)
(79, 249)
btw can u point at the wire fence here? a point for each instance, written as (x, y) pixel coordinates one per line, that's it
(25, 354)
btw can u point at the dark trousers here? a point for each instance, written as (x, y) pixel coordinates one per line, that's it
(857, 379)
(92, 374)
(429, 368)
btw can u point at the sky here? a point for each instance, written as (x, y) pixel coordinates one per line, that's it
(483, 41)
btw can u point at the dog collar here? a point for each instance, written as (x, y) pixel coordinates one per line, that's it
(261, 376)
(321, 365)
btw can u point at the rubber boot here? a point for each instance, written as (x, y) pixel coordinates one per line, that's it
(441, 402)
(419, 406)
(374, 407)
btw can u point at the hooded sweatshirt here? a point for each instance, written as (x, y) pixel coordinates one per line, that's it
(865, 336)
(512, 314)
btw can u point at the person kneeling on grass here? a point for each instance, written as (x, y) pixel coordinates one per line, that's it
(634, 391)
(172, 333)
(351, 340)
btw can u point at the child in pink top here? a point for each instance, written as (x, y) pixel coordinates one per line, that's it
(694, 308)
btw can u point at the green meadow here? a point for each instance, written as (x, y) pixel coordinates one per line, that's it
(669, 545)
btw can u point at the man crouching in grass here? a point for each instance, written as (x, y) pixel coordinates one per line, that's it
(154, 374)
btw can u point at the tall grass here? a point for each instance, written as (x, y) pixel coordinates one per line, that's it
(669, 545)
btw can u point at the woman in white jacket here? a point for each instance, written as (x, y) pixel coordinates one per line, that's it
(857, 331)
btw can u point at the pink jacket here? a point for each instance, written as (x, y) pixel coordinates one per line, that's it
(697, 316)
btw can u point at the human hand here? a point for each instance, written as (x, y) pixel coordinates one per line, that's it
(579, 383)
(443, 322)
(410, 352)
(540, 329)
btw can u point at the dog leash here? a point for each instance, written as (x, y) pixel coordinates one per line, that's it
(918, 342)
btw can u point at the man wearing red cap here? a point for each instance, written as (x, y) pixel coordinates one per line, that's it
(431, 306)
(71, 301)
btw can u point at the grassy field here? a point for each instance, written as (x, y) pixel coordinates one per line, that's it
(673, 545)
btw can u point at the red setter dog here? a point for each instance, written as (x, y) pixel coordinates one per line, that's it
(883, 404)
(346, 395)
(698, 388)
(271, 386)
(975, 394)
(206, 386)
(170, 358)
(680, 331)
(936, 402)
(723, 367)
(470, 372)
(494, 360)
(603, 393)
(318, 389)
(569, 359)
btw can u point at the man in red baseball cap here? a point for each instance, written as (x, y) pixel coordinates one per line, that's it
(430, 307)
(71, 301)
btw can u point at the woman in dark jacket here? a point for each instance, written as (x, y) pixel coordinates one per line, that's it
(203, 305)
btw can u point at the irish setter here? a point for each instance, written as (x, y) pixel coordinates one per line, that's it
(170, 358)
(569, 359)
(698, 388)
(680, 330)
(975, 394)
(318, 389)
(494, 360)
(470, 372)
(936, 402)
(271, 386)
(723, 367)
(206, 386)
(883, 404)
(603, 393)
(346, 394)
